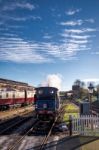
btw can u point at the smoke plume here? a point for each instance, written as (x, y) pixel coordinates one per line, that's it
(53, 80)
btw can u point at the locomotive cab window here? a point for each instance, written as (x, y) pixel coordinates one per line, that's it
(46, 94)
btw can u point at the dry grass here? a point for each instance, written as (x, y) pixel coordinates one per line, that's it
(70, 109)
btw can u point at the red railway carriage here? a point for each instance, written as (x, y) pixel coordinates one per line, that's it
(30, 97)
(6, 98)
(15, 98)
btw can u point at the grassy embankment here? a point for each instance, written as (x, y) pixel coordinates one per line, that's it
(70, 109)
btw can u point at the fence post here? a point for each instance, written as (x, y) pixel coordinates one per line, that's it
(70, 125)
(92, 123)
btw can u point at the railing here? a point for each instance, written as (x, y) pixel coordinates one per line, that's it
(87, 125)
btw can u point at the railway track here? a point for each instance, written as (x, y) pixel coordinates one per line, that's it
(17, 133)
(44, 142)
(6, 126)
(18, 136)
(94, 110)
(5, 130)
(36, 127)
(17, 139)
(45, 139)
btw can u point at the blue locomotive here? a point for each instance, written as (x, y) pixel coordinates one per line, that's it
(47, 102)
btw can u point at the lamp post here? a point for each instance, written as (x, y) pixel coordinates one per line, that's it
(90, 88)
(98, 93)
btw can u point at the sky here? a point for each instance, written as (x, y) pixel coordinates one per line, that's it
(42, 38)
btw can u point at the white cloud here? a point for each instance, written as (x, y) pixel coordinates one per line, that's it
(78, 41)
(75, 40)
(14, 26)
(79, 31)
(72, 23)
(16, 5)
(80, 36)
(90, 30)
(26, 6)
(95, 53)
(35, 17)
(72, 11)
(46, 36)
(8, 35)
(18, 50)
(75, 36)
(76, 22)
(11, 6)
(7, 17)
(90, 20)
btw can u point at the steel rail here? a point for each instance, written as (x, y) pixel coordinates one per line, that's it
(18, 140)
(13, 124)
(50, 131)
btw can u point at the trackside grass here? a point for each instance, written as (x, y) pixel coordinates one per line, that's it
(70, 109)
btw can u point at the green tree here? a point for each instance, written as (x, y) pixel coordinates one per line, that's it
(79, 83)
(82, 92)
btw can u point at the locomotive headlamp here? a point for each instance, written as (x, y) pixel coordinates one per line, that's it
(35, 105)
(44, 106)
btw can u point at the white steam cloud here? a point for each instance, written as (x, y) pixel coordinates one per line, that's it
(53, 80)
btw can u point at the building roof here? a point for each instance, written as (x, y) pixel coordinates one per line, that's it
(15, 85)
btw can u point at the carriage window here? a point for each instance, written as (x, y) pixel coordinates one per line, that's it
(13, 95)
(0, 96)
(7, 95)
(40, 92)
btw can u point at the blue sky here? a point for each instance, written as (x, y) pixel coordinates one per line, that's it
(44, 37)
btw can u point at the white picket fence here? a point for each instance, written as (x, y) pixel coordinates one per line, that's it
(86, 125)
